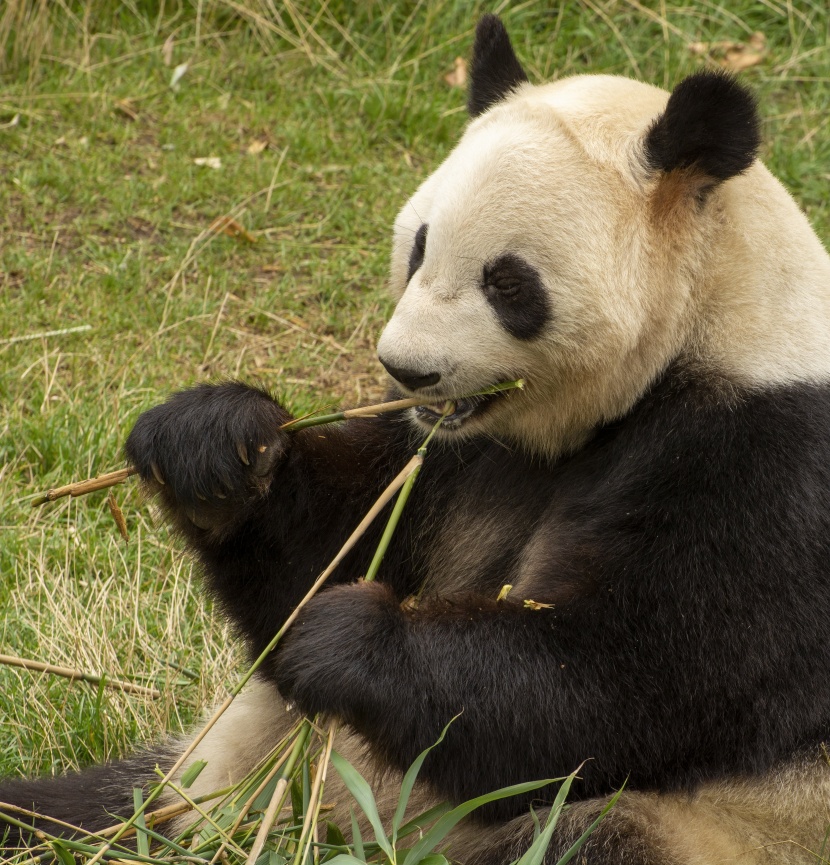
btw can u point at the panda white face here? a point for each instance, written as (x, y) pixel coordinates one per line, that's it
(525, 255)
(583, 236)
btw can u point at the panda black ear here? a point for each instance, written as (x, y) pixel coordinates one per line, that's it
(495, 69)
(710, 125)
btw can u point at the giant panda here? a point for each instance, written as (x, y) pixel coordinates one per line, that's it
(661, 487)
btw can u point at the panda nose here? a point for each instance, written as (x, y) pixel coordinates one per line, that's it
(411, 378)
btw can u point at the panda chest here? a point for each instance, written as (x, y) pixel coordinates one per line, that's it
(497, 537)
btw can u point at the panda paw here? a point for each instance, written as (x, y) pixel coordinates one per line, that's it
(334, 658)
(210, 451)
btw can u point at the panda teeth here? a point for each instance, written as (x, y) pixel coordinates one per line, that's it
(446, 408)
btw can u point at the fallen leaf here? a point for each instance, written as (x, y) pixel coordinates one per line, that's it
(13, 122)
(504, 591)
(126, 107)
(167, 50)
(213, 162)
(229, 226)
(758, 41)
(457, 77)
(257, 146)
(178, 74)
(742, 56)
(118, 516)
(733, 56)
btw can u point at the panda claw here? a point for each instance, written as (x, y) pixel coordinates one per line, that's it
(157, 472)
(243, 453)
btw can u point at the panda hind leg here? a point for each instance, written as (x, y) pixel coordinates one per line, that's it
(626, 836)
(781, 818)
(91, 800)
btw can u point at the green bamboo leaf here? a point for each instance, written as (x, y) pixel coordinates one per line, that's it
(441, 829)
(423, 819)
(297, 804)
(409, 782)
(535, 854)
(537, 828)
(65, 857)
(192, 772)
(362, 794)
(357, 840)
(142, 842)
(270, 857)
(267, 794)
(334, 836)
(587, 833)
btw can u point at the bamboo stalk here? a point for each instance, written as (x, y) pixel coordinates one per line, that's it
(246, 807)
(81, 488)
(92, 678)
(275, 805)
(402, 481)
(162, 815)
(316, 796)
(389, 530)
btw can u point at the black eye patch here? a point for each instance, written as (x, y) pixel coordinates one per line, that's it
(515, 291)
(416, 257)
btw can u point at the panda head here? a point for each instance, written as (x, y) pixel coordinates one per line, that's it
(580, 236)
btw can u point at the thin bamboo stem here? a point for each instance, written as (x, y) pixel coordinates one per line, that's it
(81, 488)
(316, 796)
(246, 807)
(92, 678)
(275, 805)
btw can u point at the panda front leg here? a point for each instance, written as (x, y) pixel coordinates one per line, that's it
(264, 510)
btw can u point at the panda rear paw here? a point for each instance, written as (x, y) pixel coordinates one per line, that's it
(210, 452)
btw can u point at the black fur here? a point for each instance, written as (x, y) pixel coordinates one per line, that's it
(693, 543)
(495, 70)
(515, 291)
(685, 551)
(416, 257)
(710, 124)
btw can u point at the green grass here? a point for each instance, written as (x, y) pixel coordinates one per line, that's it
(106, 222)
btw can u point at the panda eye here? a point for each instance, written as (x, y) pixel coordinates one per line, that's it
(517, 295)
(416, 257)
(503, 279)
(505, 286)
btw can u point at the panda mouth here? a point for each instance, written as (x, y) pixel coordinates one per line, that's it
(461, 410)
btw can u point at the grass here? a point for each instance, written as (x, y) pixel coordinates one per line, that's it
(107, 223)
